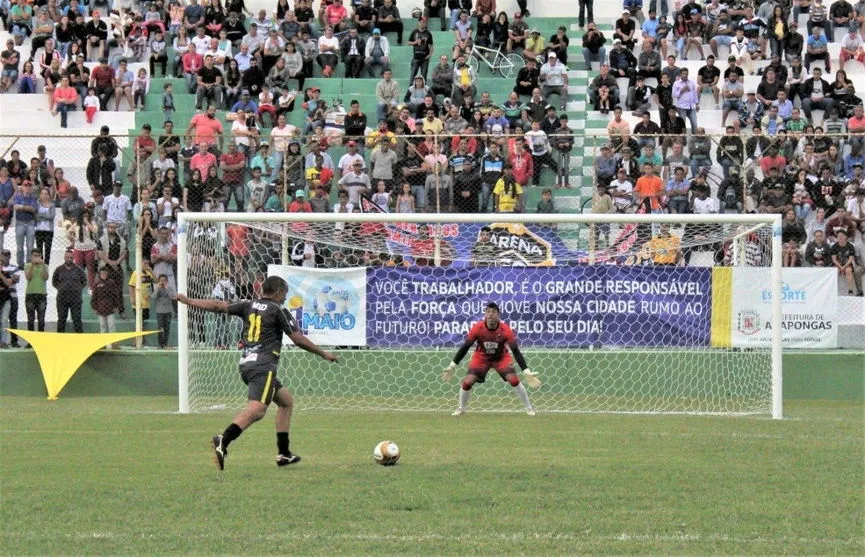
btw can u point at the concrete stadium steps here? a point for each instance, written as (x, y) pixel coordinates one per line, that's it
(30, 112)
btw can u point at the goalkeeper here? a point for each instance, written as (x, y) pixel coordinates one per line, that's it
(493, 337)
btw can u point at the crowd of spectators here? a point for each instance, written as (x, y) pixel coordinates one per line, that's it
(437, 141)
(778, 153)
(446, 145)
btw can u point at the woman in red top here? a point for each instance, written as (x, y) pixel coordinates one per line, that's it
(65, 98)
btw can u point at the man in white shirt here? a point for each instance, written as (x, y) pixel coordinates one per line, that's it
(201, 41)
(242, 133)
(118, 210)
(280, 135)
(622, 191)
(554, 79)
(347, 161)
(356, 182)
(703, 203)
(252, 40)
(220, 57)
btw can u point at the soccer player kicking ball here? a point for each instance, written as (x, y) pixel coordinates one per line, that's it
(493, 337)
(264, 322)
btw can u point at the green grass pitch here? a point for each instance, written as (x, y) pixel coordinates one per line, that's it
(126, 475)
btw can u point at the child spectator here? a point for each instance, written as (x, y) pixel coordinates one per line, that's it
(381, 197)
(140, 88)
(146, 290)
(91, 105)
(405, 200)
(265, 104)
(167, 101)
(162, 300)
(103, 300)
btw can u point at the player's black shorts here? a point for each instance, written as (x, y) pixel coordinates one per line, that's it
(262, 383)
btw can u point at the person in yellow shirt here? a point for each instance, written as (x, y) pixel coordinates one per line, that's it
(665, 248)
(147, 280)
(535, 45)
(508, 194)
(431, 123)
(381, 134)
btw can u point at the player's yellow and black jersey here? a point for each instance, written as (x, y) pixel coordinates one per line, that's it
(264, 323)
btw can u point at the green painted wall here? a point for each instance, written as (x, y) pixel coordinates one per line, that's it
(835, 375)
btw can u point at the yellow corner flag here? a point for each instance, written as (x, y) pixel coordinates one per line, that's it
(61, 354)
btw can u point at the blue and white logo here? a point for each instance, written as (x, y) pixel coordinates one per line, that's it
(789, 295)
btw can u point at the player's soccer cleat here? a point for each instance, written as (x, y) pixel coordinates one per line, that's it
(458, 412)
(220, 453)
(285, 460)
(531, 412)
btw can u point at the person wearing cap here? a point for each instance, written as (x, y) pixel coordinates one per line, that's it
(851, 46)
(10, 60)
(623, 63)
(376, 52)
(245, 103)
(535, 45)
(554, 79)
(96, 34)
(635, 9)
(518, 32)
(389, 19)
(722, 33)
(624, 30)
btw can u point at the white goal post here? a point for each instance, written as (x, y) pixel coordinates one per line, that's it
(200, 356)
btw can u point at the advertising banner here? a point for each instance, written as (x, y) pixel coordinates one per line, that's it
(328, 304)
(552, 307)
(809, 304)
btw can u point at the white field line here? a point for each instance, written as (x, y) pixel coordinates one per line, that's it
(585, 537)
(590, 432)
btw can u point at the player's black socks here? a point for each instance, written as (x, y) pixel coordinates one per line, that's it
(231, 433)
(282, 442)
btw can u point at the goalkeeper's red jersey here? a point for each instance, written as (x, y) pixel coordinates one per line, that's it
(491, 344)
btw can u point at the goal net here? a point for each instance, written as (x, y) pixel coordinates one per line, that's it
(617, 313)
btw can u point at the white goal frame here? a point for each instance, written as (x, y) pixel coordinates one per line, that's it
(773, 220)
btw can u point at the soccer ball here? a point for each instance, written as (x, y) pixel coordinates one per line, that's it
(386, 453)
